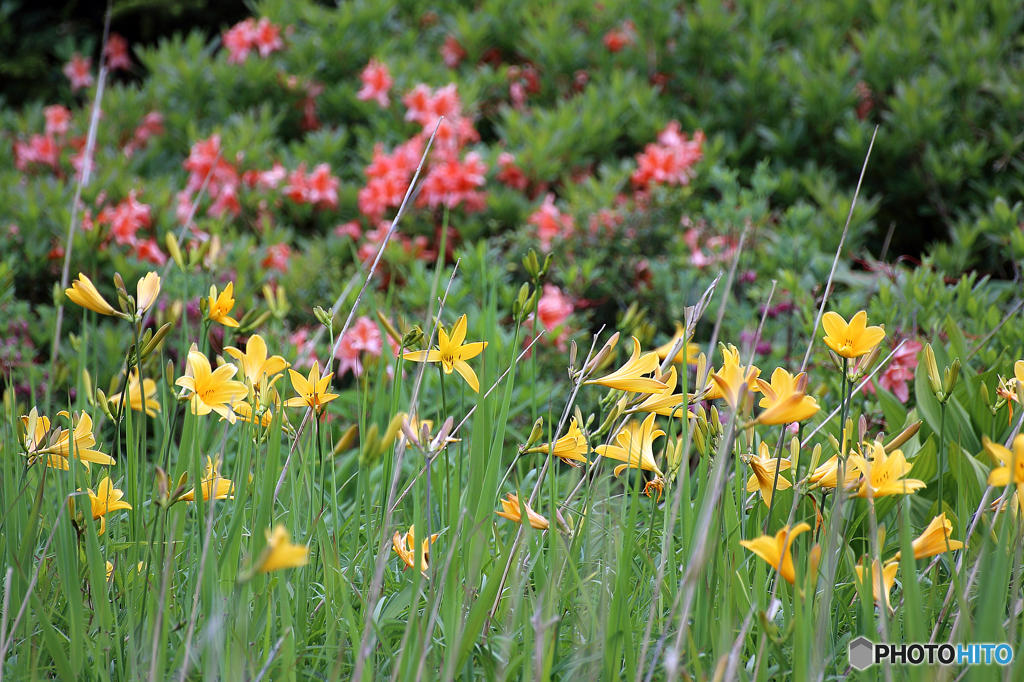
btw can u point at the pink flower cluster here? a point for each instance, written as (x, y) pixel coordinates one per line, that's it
(116, 53)
(551, 223)
(79, 72)
(899, 372)
(426, 107)
(670, 161)
(152, 125)
(388, 177)
(363, 337)
(249, 35)
(123, 222)
(452, 52)
(707, 249)
(553, 311)
(620, 37)
(510, 174)
(319, 188)
(377, 82)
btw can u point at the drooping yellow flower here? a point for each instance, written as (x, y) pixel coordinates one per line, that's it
(570, 448)
(510, 510)
(934, 539)
(405, 545)
(312, 391)
(825, 476)
(667, 403)
(1012, 469)
(1007, 388)
(635, 447)
(84, 293)
(452, 353)
(214, 485)
(135, 395)
(106, 499)
(733, 376)
(221, 305)
(254, 362)
(785, 399)
(687, 353)
(762, 475)
(630, 377)
(146, 291)
(243, 410)
(281, 552)
(59, 446)
(883, 474)
(851, 340)
(212, 390)
(1015, 503)
(776, 550)
(888, 577)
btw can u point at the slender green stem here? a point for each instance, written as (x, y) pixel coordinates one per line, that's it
(942, 458)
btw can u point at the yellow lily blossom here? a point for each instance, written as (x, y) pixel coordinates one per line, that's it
(1007, 388)
(213, 486)
(212, 390)
(687, 353)
(635, 447)
(785, 399)
(106, 499)
(776, 550)
(732, 377)
(452, 353)
(312, 391)
(84, 293)
(281, 552)
(58, 448)
(221, 305)
(405, 545)
(1012, 469)
(146, 291)
(254, 362)
(825, 475)
(667, 403)
(762, 478)
(570, 448)
(883, 474)
(110, 571)
(135, 395)
(851, 340)
(888, 577)
(630, 377)
(243, 410)
(510, 510)
(934, 539)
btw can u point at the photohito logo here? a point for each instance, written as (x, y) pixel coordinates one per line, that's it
(865, 653)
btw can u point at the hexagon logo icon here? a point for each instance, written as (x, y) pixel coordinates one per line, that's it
(862, 653)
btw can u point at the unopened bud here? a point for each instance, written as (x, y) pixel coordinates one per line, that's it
(934, 380)
(413, 337)
(546, 267)
(905, 435)
(951, 374)
(794, 453)
(389, 328)
(172, 248)
(531, 264)
(392, 431)
(154, 343)
(325, 318)
(536, 433)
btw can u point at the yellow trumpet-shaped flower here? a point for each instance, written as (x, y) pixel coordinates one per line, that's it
(1012, 469)
(825, 476)
(570, 448)
(883, 474)
(785, 399)
(58, 447)
(687, 353)
(934, 539)
(667, 403)
(510, 510)
(254, 362)
(452, 353)
(405, 546)
(732, 377)
(776, 550)
(281, 552)
(106, 499)
(135, 393)
(84, 293)
(262, 417)
(214, 485)
(212, 390)
(221, 305)
(312, 390)
(851, 340)
(888, 578)
(630, 377)
(146, 291)
(635, 447)
(762, 475)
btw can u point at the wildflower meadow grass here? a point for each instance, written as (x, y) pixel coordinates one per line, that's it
(417, 355)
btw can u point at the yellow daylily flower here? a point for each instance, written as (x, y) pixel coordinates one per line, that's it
(934, 539)
(851, 340)
(212, 390)
(635, 447)
(762, 478)
(106, 499)
(732, 377)
(84, 293)
(776, 550)
(405, 545)
(570, 448)
(825, 475)
(630, 377)
(281, 552)
(254, 362)
(110, 570)
(667, 403)
(452, 353)
(688, 352)
(135, 395)
(59, 446)
(510, 510)
(312, 391)
(888, 577)
(214, 485)
(883, 474)
(221, 305)
(243, 410)
(785, 399)
(1012, 469)
(146, 291)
